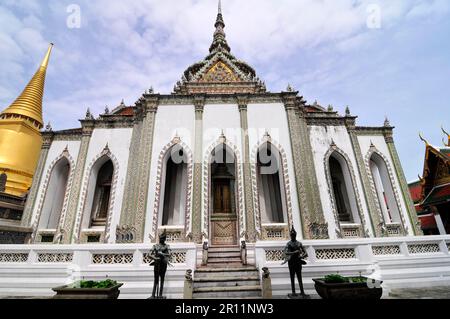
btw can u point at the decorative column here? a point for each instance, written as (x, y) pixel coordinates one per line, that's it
(74, 196)
(47, 138)
(313, 222)
(251, 233)
(150, 107)
(126, 231)
(376, 220)
(197, 236)
(388, 137)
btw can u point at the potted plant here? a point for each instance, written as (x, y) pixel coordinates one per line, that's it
(107, 289)
(338, 287)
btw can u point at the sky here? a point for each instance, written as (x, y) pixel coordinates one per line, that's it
(380, 57)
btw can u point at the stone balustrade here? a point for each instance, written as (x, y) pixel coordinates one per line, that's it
(400, 261)
(32, 270)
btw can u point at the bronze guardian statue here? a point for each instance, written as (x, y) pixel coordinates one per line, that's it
(295, 255)
(160, 258)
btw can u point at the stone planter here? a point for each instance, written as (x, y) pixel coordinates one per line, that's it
(67, 292)
(348, 290)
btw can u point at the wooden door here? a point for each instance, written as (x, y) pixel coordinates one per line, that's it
(223, 220)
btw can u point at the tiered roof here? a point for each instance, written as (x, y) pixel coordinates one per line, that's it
(220, 72)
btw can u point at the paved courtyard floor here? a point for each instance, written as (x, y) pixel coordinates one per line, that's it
(421, 293)
(406, 293)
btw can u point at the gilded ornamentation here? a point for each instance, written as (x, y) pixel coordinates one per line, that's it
(219, 72)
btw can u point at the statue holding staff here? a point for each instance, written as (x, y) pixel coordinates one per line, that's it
(160, 258)
(295, 255)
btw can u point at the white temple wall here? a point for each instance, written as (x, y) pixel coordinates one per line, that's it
(171, 121)
(380, 144)
(272, 118)
(118, 140)
(321, 138)
(56, 149)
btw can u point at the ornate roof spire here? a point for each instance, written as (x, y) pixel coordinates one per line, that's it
(219, 72)
(29, 103)
(219, 42)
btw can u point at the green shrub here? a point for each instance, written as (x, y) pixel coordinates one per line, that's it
(338, 279)
(358, 279)
(89, 284)
(335, 279)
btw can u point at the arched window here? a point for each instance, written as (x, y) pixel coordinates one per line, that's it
(272, 202)
(175, 187)
(384, 190)
(100, 203)
(54, 196)
(343, 190)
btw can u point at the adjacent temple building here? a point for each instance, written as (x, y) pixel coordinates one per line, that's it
(431, 193)
(225, 168)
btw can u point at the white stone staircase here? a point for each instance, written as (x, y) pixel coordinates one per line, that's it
(226, 276)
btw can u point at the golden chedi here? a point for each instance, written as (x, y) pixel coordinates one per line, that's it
(20, 137)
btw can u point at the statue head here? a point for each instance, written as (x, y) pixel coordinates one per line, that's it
(163, 237)
(293, 234)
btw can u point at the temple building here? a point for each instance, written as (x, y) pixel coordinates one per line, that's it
(20, 146)
(431, 193)
(219, 160)
(226, 168)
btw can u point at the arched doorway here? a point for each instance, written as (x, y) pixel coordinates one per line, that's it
(223, 212)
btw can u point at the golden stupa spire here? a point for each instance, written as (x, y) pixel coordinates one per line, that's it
(29, 103)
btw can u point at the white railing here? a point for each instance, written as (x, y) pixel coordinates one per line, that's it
(32, 270)
(365, 250)
(398, 262)
(91, 255)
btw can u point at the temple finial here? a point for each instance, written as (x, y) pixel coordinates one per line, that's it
(29, 103)
(422, 138)
(448, 136)
(44, 63)
(219, 42)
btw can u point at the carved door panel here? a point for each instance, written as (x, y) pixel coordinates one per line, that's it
(223, 221)
(224, 232)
